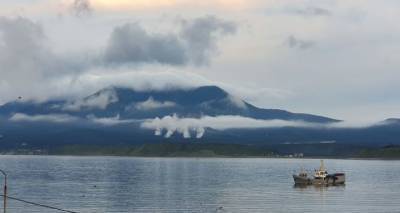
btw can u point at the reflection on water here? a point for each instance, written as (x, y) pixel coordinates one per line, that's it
(110, 184)
(315, 188)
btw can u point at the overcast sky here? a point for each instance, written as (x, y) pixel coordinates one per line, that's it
(336, 58)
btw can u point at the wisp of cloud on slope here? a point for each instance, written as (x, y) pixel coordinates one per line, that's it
(152, 104)
(52, 118)
(98, 101)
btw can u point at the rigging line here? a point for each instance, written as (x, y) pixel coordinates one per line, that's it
(38, 204)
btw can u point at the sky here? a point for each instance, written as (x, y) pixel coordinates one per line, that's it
(336, 58)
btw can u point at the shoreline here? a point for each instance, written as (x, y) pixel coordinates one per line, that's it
(210, 157)
(213, 150)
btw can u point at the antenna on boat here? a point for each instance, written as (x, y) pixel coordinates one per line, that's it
(322, 167)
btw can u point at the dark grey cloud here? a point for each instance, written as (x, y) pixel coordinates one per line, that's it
(311, 11)
(23, 47)
(81, 8)
(201, 36)
(294, 42)
(195, 43)
(26, 58)
(131, 43)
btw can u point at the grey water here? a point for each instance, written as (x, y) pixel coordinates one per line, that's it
(119, 184)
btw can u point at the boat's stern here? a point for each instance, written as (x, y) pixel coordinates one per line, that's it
(337, 178)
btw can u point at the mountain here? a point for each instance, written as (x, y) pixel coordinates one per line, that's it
(130, 104)
(121, 116)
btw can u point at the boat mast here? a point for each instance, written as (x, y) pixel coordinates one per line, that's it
(322, 167)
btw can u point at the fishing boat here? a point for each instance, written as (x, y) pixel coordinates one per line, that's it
(321, 177)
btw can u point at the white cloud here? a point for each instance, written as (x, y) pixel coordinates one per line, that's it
(200, 132)
(237, 101)
(110, 121)
(98, 101)
(185, 126)
(355, 124)
(154, 77)
(151, 104)
(55, 118)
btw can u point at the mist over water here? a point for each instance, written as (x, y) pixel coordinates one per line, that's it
(114, 184)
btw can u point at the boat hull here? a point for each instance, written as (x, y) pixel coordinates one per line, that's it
(336, 179)
(299, 180)
(331, 179)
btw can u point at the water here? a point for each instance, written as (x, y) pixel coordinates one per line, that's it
(112, 184)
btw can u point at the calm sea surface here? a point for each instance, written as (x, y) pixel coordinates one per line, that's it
(113, 184)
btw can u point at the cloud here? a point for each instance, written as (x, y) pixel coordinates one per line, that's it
(311, 11)
(144, 79)
(299, 9)
(356, 34)
(238, 102)
(131, 43)
(110, 121)
(161, 78)
(186, 126)
(356, 124)
(24, 56)
(99, 100)
(65, 118)
(201, 35)
(294, 42)
(196, 42)
(148, 78)
(130, 5)
(151, 104)
(23, 50)
(27, 59)
(54, 118)
(27, 56)
(81, 8)
(183, 5)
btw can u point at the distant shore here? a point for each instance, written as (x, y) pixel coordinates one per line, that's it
(205, 157)
(209, 150)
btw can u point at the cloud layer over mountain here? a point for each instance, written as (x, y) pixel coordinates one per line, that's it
(333, 57)
(27, 57)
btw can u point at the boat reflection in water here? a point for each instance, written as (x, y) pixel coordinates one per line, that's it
(320, 178)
